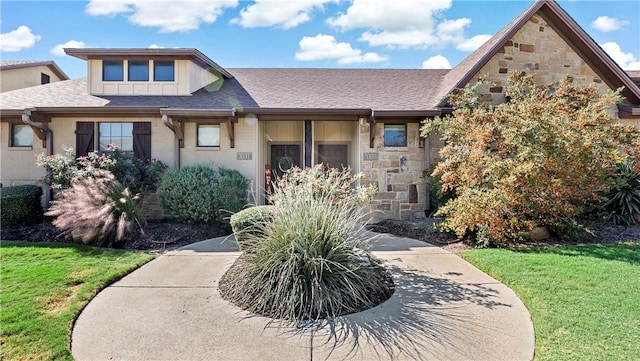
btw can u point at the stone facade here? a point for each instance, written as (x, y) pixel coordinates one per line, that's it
(536, 48)
(396, 171)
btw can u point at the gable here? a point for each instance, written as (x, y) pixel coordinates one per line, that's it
(537, 48)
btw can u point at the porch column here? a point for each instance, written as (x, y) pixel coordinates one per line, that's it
(308, 143)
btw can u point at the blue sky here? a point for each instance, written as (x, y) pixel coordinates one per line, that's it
(295, 33)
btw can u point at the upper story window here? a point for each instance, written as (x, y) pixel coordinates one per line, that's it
(119, 134)
(112, 70)
(45, 78)
(395, 135)
(163, 70)
(21, 135)
(138, 70)
(208, 135)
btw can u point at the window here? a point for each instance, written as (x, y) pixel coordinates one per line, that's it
(395, 135)
(208, 135)
(112, 70)
(119, 134)
(138, 70)
(21, 135)
(44, 78)
(163, 70)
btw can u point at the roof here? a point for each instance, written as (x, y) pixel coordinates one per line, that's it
(567, 28)
(20, 64)
(177, 53)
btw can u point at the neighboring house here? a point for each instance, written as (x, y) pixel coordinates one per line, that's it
(16, 74)
(178, 106)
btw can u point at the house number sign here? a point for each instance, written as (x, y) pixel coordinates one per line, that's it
(244, 156)
(369, 156)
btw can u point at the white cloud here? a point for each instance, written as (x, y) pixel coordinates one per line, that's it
(627, 61)
(169, 16)
(59, 49)
(155, 46)
(473, 43)
(321, 47)
(436, 62)
(404, 23)
(16, 40)
(607, 24)
(284, 14)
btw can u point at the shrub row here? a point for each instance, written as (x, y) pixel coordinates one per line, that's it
(20, 205)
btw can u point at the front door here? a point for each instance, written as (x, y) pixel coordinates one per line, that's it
(333, 155)
(285, 157)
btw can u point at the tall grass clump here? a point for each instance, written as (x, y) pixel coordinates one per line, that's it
(97, 210)
(308, 261)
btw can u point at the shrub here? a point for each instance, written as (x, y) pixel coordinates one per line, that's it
(97, 210)
(248, 224)
(20, 205)
(139, 175)
(188, 192)
(621, 201)
(230, 193)
(536, 160)
(308, 261)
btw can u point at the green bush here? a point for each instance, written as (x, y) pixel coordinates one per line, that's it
(139, 175)
(621, 201)
(97, 210)
(248, 224)
(20, 205)
(199, 194)
(188, 192)
(230, 193)
(309, 261)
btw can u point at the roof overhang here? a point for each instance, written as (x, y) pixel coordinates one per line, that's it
(625, 110)
(50, 64)
(182, 53)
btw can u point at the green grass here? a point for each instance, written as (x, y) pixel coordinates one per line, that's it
(584, 300)
(43, 288)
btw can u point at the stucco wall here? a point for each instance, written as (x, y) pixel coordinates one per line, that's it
(18, 164)
(24, 77)
(396, 185)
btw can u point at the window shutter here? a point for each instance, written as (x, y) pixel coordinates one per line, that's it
(142, 140)
(84, 138)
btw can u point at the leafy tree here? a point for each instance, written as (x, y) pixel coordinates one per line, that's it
(538, 159)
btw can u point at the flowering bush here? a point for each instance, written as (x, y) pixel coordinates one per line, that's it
(536, 160)
(138, 175)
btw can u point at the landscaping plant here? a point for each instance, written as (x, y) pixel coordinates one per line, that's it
(199, 194)
(20, 205)
(97, 210)
(621, 202)
(308, 261)
(538, 159)
(139, 175)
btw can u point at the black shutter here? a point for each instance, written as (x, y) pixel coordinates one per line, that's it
(84, 138)
(142, 140)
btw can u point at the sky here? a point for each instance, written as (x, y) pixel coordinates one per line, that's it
(295, 33)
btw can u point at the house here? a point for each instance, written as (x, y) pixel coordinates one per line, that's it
(179, 106)
(24, 74)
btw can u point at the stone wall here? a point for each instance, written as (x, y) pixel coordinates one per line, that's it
(536, 48)
(396, 171)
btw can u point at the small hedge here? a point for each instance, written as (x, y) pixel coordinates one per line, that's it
(20, 205)
(247, 225)
(199, 194)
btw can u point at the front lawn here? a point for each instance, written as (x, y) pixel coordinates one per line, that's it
(43, 288)
(584, 299)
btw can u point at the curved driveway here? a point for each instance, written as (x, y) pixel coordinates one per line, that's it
(170, 309)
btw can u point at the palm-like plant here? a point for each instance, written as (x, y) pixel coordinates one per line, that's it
(621, 202)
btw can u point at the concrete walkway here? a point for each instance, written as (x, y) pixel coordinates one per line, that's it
(170, 309)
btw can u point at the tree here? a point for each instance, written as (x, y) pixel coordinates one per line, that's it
(536, 160)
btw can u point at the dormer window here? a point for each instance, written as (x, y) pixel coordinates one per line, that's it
(112, 70)
(163, 70)
(138, 70)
